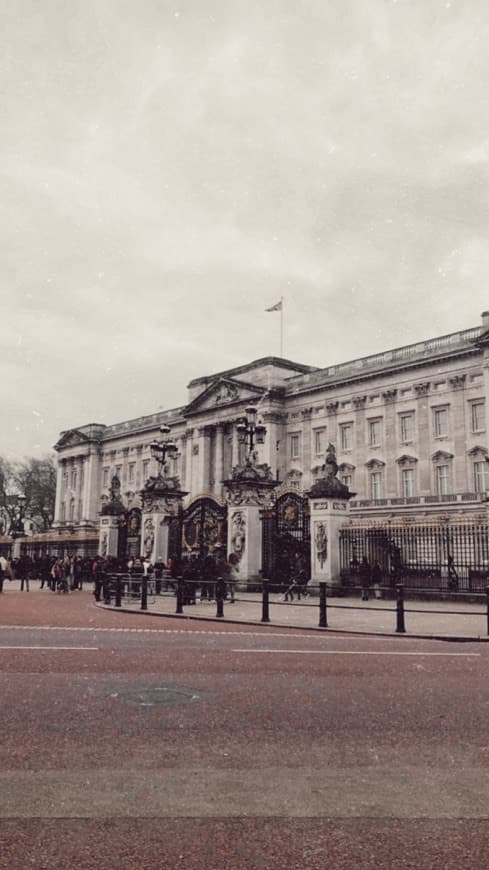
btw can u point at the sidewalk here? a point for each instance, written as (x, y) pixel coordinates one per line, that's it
(456, 619)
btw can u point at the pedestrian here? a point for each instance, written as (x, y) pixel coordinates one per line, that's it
(23, 573)
(3, 571)
(365, 577)
(377, 579)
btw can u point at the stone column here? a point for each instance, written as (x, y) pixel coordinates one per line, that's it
(188, 459)
(423, 433)
(272, 421)
(389, 442)
(59, 491)
(458, 428)
(235, 446)
(91, 495)
(306, 415)
(219, 460)
(360, 450)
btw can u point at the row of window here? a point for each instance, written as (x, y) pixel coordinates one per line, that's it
(442, 480)
(406, 429)
(130, 472)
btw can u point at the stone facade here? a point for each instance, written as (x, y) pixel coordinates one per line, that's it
(408, 425)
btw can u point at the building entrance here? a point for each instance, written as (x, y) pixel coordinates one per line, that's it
(286, 536)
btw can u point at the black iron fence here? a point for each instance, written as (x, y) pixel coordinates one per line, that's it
(446, 557)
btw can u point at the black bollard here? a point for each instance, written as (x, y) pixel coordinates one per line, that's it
(180, 582)
(265, 617)
(144, 593)
(118, 591)
(323, 618)
(220, 592)
(400, 627)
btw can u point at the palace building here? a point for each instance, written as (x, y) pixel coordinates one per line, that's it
(408, 426)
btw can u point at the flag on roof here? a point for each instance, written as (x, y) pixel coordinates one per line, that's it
(276, 307)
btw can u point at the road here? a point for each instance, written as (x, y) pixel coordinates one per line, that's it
(131, 742)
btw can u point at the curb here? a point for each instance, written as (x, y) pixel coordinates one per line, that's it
(449, 638)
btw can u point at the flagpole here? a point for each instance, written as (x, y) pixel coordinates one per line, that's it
(281, 326)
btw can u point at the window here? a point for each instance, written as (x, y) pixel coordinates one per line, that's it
(374, 433)
(440, 422)
(442, 484)
(65, 479)
(478, 416)
(346, 436)
(407, 482)
(131, 472)
(346, 479)
(145, 470)
(406, 425)
(319, 442)
(74, 477)
(63, 512)
(295, 446)
(72, 511)
(106, 477)
(118, 471)
(375, 485)
(480, 476)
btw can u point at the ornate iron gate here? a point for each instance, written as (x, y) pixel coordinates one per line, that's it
(129, 540)
(286, 533)
(204, 528)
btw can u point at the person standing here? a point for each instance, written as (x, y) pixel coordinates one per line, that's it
(365, 578)
(3, 570)
(377, 579)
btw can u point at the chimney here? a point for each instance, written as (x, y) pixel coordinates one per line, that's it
(485, 319)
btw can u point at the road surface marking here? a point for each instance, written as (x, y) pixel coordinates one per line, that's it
(83, 648)
(350, 652)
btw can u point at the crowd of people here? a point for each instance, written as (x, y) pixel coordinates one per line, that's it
(69, 573)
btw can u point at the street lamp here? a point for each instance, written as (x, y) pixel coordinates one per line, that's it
(162, 449)
(18, 521)
(250, 432)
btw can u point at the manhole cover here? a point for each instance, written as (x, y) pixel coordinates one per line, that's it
(154, 696)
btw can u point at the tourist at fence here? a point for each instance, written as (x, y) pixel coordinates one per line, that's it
(3, 571)
(365, 578)
(377, 580)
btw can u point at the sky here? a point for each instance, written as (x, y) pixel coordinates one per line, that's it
(168, 170)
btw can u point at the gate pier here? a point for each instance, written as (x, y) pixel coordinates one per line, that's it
(248, 492)
(328, 499)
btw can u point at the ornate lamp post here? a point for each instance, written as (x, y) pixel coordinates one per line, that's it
(248, 492)
(162, 449)
(250, 433)
(161, 499)
(17, 526)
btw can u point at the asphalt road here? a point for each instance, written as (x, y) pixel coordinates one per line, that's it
(131, 742)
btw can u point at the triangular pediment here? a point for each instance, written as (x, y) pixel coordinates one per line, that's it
(222, 392)
(71, 438)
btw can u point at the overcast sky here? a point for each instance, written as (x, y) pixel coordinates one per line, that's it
(169, 169)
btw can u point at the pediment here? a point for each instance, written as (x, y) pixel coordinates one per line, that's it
(406, 459)
(478, 451)
(222, 392)
(375, 463)
(71, 438)
(441, 455)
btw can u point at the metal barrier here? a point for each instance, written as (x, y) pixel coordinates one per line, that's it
(139, 588)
